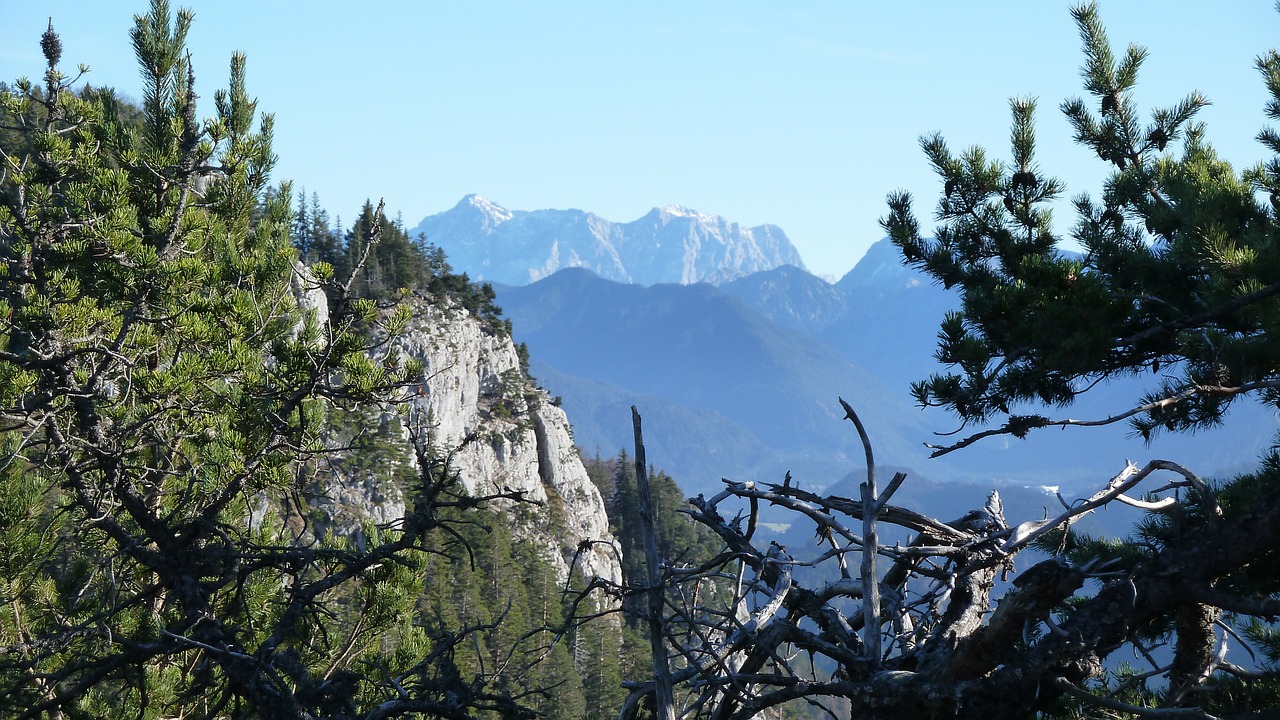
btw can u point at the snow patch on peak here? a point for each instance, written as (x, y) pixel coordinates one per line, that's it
(680, 211)
(494, 213)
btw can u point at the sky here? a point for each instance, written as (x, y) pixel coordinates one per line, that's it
(802, 115)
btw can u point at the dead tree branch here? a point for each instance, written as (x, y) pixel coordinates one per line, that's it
(936, 633)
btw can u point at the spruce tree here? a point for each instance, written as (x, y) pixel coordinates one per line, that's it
(598, 652)
(324, 239)
(302, 230)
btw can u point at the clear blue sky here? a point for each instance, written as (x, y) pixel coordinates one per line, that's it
(803, 115)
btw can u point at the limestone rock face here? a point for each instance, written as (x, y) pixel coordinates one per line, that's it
(501, 434)
(307, 291)
(505, 435)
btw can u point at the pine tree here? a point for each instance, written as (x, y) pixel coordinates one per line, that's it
(164, 394)
(1178, 280)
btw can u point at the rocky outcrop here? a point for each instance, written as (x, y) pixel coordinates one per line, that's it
(500, 432)
(310, 296)
(519, 441)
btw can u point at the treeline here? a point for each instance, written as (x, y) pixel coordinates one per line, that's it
(491, 596)
(393, 263)
(680, 540)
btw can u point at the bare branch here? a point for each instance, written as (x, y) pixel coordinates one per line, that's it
(1112, 704)
(665, 703)
(1026, 533)
(1020, 425)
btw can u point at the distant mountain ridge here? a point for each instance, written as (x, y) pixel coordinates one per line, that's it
(741, 381)
(737, 394)
(670, 244)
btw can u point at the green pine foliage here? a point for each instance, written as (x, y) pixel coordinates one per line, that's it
(1180, 281)
(162, 443)
(1177, 280)
(396, 264)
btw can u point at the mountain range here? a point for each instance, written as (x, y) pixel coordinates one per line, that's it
(728, 390)
(741, 379)
(668, 244)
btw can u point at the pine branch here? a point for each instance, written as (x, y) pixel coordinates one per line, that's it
(1020, 425)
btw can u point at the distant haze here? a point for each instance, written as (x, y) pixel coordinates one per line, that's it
(741, 381)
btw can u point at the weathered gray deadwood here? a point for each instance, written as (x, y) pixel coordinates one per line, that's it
(941, 641)
(664, 702)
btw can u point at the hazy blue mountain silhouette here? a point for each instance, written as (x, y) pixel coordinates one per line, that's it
(701, 349)
(889, 327)
(748, 373)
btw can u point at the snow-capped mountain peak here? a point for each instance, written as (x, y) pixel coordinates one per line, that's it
(670, 244)
(491, 214)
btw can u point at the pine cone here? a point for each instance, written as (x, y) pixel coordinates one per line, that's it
(1159, 138)
(51, 45)
(1110, 102)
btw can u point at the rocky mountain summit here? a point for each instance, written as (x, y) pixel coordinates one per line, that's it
(671, 244)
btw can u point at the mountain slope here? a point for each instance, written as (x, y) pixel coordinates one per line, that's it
(704, 351)
(750, 372)
(888, 324)
(668, 245)
(685, 440)
(791, 297)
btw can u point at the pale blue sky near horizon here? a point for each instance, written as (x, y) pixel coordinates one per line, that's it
(802, 115)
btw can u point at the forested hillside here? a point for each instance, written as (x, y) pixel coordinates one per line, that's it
(222, 491)
(261, 464)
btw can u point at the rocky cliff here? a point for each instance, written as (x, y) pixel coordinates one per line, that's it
(475, 386)
(502, 434)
